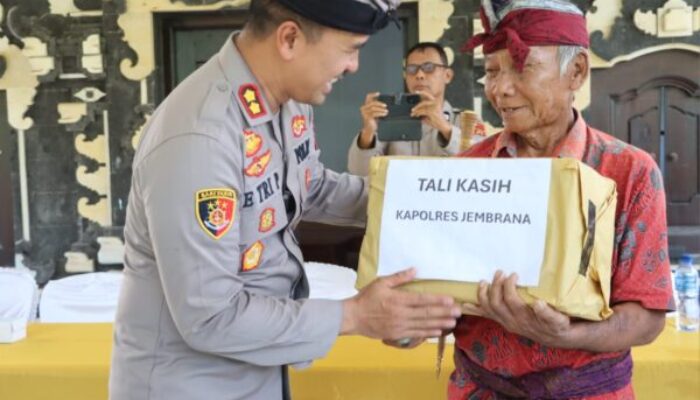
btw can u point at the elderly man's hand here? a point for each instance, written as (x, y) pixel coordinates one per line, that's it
(501, 302)
(431, 113)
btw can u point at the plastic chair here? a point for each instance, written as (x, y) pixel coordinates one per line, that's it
(19, 296)
(329, 281)
(88, 297)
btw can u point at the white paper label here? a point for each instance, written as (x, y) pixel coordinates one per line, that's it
(462, 219)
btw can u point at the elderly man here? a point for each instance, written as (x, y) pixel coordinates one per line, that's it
(426, 73)
(535, 61)
(213, 299)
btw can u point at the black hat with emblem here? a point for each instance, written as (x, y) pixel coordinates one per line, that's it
(358, 16)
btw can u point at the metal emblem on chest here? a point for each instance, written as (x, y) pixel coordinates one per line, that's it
(298, 125)
(252, 256)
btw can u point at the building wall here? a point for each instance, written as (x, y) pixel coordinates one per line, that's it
(78, 77)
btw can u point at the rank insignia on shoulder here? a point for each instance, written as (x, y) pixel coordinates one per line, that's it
(250, 97)
(259, 164)
(253, 143)
(252, 256)
(215, 210)
(298, 125)
(267, 220)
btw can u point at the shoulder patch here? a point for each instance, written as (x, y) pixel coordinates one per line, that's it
(215, 210)
(250, 97)
(252, 256)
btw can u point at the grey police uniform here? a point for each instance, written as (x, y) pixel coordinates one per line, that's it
(212, 300)
(431, 144)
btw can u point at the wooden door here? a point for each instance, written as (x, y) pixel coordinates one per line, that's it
(653, 102)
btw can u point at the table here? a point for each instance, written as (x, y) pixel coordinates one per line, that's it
(71, 361)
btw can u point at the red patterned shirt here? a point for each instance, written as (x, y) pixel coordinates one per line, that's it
(640, 270)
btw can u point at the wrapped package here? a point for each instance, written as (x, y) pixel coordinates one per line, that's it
(575, 271)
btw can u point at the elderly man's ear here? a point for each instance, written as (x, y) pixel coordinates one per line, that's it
(578, 71)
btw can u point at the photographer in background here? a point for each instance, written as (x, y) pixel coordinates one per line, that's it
(426, 73)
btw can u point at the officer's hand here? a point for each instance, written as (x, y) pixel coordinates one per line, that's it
(370, 110)
(407, 343)
(429, 110)
(501, 302)
(383, 311)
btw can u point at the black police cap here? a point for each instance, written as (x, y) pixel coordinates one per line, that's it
(364, 17)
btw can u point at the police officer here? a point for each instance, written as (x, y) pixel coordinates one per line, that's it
(213, 299)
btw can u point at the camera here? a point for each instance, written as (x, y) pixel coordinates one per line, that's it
(398, 125)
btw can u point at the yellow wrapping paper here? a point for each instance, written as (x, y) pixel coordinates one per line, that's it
(576, 192)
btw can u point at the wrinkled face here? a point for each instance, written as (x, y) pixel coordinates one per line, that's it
(532, 99)
(319, 64)
(431, 82)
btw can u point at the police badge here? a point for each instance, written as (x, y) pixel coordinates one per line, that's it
(215, 210)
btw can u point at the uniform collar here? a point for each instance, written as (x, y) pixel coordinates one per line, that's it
(573, 145)
(446, 107)
(246, 89)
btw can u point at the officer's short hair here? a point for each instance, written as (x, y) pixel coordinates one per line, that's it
(267, 15)
(423, 46)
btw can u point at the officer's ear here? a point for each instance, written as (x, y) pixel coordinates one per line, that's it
(288, 39)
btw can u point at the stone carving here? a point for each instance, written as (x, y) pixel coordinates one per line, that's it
(137, 136)
(78, 262)
(99, 212)
(95, 149)
(92, 55)
(69, 9)
(70, 113)
(111, 250)
(675, 19)
(97, 181)
(626, 38)
(137, 24)
(20, 84)
(602, 16)
(36, 52)
(434, 18)
(89, 94)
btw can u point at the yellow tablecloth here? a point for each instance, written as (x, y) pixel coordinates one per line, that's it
(71, 361)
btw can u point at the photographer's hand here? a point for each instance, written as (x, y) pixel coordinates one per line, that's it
(370, 110)
(430, 112)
